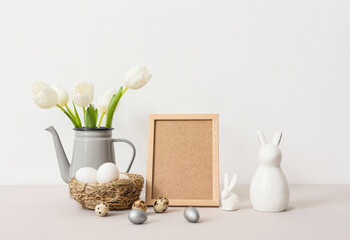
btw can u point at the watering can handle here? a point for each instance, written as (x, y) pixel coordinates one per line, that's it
(133, 150)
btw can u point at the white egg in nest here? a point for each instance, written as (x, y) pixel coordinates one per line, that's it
(123, 176)
(86, 175)
(107, 172)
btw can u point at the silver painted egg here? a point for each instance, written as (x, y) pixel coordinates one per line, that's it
(137, 216)
(191, 214)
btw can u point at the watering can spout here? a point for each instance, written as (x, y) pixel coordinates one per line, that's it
(63, 163)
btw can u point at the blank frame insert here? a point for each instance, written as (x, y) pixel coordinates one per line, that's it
(183, 159)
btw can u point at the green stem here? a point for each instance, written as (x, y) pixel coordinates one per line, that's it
(77, 118)
(99, 123)
(64, 110)
(124, 91)
(69, 116)
(84, 110)
(70, 111)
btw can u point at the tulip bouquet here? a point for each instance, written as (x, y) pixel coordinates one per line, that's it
(82, 94)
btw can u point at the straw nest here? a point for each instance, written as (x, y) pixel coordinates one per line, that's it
(119, 194)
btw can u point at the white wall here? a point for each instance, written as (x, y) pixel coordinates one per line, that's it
(259, 64)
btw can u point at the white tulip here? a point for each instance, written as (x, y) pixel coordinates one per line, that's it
(63, 96)
(137, 77)
(83, 93)
(104, 99)
(43, 95)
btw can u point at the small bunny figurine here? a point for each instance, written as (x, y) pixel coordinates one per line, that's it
(269, 191)
(229, 200)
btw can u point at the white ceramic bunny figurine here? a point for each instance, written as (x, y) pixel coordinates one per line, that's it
(269, 190)
(229, 200)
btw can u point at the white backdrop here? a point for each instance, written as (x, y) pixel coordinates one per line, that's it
(272, 65)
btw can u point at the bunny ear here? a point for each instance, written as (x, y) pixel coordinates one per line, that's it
(261, 137)
(233, 181)
(226, 180)
(277, 138)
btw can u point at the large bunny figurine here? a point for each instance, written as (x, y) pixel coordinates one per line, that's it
(229, 200)
(269, 191)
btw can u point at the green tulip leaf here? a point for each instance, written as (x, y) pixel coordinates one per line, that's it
(90, 117)
(112, 106)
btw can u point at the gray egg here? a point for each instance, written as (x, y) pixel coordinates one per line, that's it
(137, 216)
(191, 214)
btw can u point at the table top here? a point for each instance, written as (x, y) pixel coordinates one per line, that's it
(47, 212)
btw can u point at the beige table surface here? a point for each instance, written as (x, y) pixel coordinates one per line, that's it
(47, 212)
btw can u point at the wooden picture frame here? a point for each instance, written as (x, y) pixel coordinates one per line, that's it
(183, 159)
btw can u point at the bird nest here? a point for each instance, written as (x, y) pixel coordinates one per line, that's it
(119, 194)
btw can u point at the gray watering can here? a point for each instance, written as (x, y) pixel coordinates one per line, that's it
(92, 148)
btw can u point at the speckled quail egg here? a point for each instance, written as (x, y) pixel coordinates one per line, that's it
(161, 205)
(139, 204)
(102, 209)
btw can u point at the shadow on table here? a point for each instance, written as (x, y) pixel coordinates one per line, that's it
(301, 203)
(169, 210)
(244, 200)
(307, 203)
